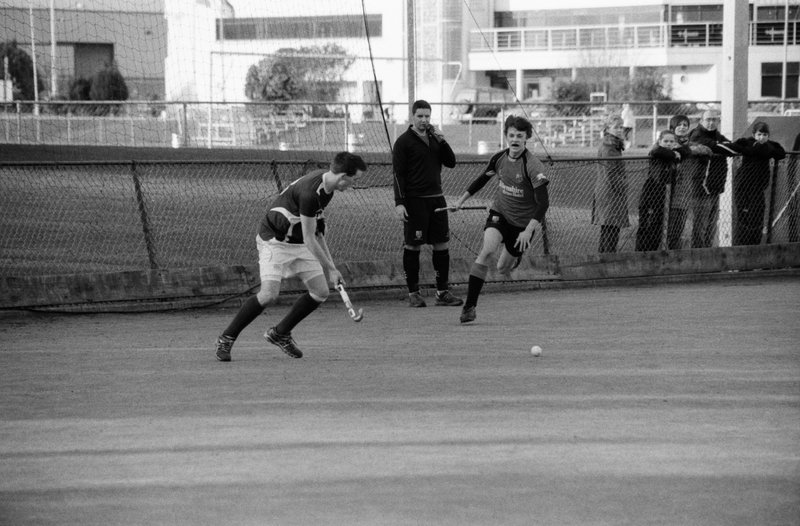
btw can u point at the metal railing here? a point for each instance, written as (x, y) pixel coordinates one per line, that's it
(629, 36)
(330, 126)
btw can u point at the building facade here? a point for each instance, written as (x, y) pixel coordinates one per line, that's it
(74, 39)
(531, 46)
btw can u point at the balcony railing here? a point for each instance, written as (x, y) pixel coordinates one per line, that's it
(629, 36)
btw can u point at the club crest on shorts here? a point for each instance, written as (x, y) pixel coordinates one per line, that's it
(494, 219)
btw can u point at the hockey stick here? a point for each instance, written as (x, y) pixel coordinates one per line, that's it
(350, 310)
(453, 209)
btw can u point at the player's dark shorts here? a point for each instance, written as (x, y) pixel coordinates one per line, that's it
(508, 231)
(424, 226)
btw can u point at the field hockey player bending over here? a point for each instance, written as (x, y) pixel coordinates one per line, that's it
(291, 242)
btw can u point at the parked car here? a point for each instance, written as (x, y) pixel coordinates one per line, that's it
(481, 104)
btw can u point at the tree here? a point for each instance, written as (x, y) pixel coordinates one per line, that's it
(572, 91)
(311, 72)
(79, 89)
(108, 84)
(20, 69)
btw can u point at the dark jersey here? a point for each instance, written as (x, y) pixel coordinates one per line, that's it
(305, 196)
(522, 187)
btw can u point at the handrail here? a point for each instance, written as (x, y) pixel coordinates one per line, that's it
(663, 34)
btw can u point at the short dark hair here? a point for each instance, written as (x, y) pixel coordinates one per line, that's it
(348, 163)
(666, 132)
(675, 121)
(761, 126)
(424, 104)
(520, 123)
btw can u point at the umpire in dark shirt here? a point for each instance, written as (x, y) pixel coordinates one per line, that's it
(418, 157)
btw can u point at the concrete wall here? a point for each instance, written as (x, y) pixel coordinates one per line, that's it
(164, 289)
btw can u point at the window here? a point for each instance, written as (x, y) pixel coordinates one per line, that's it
(683, 14)
(299, 27)
(772, 79)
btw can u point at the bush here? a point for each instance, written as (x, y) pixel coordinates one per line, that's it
(108, 84)
(20, 69)
(572, 91)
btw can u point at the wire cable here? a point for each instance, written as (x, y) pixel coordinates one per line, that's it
(508, 84)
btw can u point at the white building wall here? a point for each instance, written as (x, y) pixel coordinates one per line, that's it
(199, 67)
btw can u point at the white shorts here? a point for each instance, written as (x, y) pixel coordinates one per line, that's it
(278, 260)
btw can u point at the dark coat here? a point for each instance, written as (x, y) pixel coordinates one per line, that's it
(610, 204)
(709, 178)
(418, 166)
(754, 173)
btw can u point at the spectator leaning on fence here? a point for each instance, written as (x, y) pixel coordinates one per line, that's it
(708, 179)
(610, 202)
(665, 157)
(750, 181)
(417, 159)
(694, 158)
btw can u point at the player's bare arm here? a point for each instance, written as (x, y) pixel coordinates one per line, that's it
(335, 278)
(525, 238)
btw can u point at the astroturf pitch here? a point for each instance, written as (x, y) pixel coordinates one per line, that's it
(665, 404)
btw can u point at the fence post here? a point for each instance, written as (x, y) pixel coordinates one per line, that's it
(346, 124)
(773, 179)
(185, 129)
(19, 123)
(655, 123)
(274, 166)
(148, 239)
(545, 238)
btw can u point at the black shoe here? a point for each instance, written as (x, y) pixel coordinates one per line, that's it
(446, 299)
(224, 344)
(415, 300)
(467, 314)
(284, 341)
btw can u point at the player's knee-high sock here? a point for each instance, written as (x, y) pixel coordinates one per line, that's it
(477, 275)
(304, 306)
(249, 311)
(411, 269)
(441, 264)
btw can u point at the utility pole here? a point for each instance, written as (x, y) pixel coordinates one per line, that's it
(735, 45)
(53, 74)
(33, 58)
(411, 43)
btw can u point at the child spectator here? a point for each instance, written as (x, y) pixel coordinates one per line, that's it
(665, 156)
(696, 157)
(750, 182)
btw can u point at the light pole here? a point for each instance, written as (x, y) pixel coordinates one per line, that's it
(53, 76)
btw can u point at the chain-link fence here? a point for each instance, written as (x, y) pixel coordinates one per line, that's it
(86, 217)
(470, 127)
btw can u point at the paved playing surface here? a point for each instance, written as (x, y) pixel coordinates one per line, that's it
(670, 404)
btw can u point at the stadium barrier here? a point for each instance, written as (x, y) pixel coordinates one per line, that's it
(157, 232)
(304, 125)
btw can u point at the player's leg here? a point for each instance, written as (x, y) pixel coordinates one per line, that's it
(271, 272)
(492, 238)
(415, 234)
(509, 258)
(308, 269)
(510, 255)
(439, 237)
